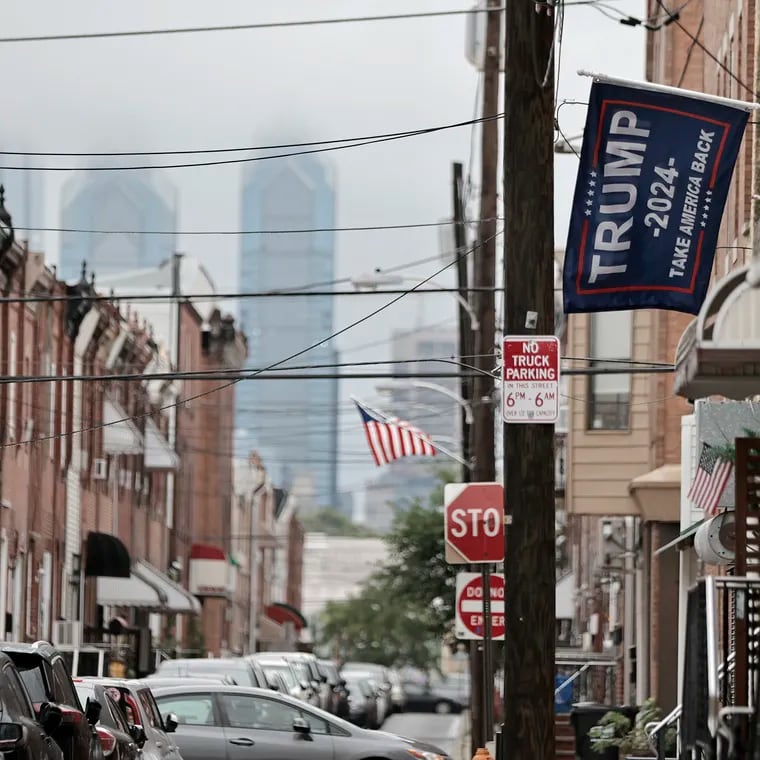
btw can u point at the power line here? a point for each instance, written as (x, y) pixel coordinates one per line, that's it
(171, 298)
(252, 159)
(303, 231)
(240, 27)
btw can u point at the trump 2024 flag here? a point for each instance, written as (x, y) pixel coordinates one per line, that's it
(653, 179)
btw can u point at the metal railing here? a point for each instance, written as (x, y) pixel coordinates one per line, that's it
(592, 680)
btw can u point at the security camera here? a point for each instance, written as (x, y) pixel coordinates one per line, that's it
(607, 530)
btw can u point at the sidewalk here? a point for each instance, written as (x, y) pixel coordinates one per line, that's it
(461, 750)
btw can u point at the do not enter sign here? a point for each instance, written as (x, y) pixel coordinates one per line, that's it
(469, 606)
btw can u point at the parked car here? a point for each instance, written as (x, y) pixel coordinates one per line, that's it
(135, 699)
(329, 671)
(439, 698)
(25, 735)
(46, 678)
(310, 679)
(379, 676)
(243, 671)
(119, 739)
(362, 701)
(272, 663)
(236, 723)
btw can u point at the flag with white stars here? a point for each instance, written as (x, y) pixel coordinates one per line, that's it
(654, 174)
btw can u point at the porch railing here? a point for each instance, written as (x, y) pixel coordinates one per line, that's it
(589, 681)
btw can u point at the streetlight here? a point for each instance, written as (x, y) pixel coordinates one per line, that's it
(400, 385)
(6, 228)
(374, 280)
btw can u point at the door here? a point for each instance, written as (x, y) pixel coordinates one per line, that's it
(199, 733)
(262, 728)
(154, 726)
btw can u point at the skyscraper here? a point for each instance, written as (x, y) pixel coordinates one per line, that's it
(25, 203)
(291, 423)
(115, 201)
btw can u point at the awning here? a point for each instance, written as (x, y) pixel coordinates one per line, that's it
(106, 555)
(658, 494)
(684, 539)
(130, 592)
(285, 613)
(120, 434)
(177, 598)
(159, 455)
(148, 589)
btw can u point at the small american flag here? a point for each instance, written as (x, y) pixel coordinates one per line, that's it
(390, 438)
(713, 473)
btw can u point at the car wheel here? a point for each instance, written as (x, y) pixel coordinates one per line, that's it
(442, 707)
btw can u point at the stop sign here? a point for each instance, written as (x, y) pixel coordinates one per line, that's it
(469, 606)
(474, 522)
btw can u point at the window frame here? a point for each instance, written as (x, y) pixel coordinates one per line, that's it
(216, 713)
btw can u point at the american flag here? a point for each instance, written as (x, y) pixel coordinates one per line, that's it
(713, 473)
(390, 438)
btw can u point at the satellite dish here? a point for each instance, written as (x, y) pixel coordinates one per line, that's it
(715, 540)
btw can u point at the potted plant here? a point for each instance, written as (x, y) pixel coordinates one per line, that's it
(616, 730)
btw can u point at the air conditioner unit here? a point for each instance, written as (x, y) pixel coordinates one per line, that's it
(99, 469)
(67, 633)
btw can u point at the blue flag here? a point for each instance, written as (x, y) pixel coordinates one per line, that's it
(652, 184)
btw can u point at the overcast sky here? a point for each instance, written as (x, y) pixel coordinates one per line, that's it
(278, 85)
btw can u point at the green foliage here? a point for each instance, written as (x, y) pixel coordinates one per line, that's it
(404, 610)
(334, 523)
(615, 730)
(728, 451)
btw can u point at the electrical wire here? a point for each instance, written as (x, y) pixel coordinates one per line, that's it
(274, 365)
(253, 159)
(302, 231)
(239, 27)
(689, 52)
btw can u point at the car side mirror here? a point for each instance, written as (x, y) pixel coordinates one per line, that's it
(50, 717)
(12, 737)
(92, 711)
(301, 726)
(138, 734)
(171, 721)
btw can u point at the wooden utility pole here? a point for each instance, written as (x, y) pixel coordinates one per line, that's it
(528, 732)
(482, 444)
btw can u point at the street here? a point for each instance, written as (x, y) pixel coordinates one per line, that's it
(445, 731)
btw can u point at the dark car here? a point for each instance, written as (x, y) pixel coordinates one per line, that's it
(362, 701)
(24, 735)
(442, 698)
(119, 739)
(241, 670)
(46, 677)
(235, 723)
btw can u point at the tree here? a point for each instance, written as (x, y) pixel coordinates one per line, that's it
(404, 611)
(334, 523)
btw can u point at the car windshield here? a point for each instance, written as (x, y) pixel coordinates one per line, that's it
(284, 670)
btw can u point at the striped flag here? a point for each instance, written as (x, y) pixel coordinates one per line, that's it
(713, 473)
(390, 438)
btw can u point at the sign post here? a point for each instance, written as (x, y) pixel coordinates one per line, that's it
(530, 379)
(474, 534)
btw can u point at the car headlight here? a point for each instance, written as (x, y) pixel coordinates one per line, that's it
(421, 755)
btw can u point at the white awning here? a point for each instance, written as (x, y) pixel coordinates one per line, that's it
(120, 434)
(148, 589)
(178, 599)
(129, 592)
(159, 455)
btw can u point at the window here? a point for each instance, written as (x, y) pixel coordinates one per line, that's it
(609, 395)
(190, 709)
(62, 686)
(18, 688)
(245, 711)
(150, 708)
(34, 683)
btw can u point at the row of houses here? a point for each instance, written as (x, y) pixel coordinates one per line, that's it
(123, 510)
(637, 546)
